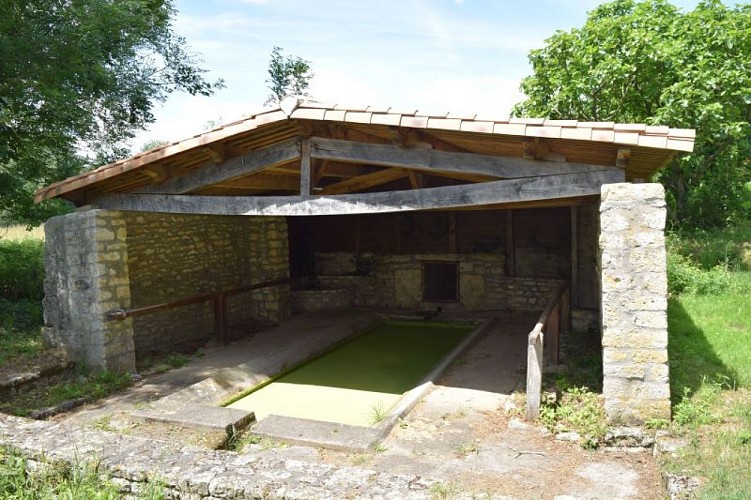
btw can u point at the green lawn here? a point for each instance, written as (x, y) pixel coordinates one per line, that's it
(710, 369)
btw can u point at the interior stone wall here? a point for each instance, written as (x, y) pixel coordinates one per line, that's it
(397, 281)
(174, 256)
(98, 261)
(634, 302)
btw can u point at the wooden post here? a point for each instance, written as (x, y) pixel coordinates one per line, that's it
(553, 338)
(534, 374)
(305, 171)
(574, 256)
(398, 233)
(566, 311)
(452, 232)
(510, 245)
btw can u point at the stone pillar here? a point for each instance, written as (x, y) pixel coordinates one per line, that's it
(86, 263)
(634, 303)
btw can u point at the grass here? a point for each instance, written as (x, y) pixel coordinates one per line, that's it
(80, 482)
(21, 233)
(64, 388)
(710, 364)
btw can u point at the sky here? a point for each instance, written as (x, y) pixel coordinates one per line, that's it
(435, 56)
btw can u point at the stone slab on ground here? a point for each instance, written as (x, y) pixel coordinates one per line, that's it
(197, 416)
(314, 433)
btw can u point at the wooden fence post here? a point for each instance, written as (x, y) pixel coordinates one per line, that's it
(534, 374)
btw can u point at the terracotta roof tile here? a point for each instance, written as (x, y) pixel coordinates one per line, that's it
(550, 132)
(510, 128)
(414, 121)
(357, 117)
(392, 119)
(445, 123)
(477, 126)
(626, 138)
(528, 121)
(335, 115)
(576, 133)
(603, 135)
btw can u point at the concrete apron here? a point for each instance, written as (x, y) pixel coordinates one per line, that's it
(198, 406)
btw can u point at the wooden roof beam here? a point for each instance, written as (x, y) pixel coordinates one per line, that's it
(489, 193)
(365, 181)
(255, 161)
(431, 160)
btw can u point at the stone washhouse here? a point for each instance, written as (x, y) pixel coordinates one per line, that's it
(309, 206)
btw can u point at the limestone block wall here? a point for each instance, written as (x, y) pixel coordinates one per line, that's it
(99, 260)
(634, 302)
(178, 256)
(397, 281)
(86, 262)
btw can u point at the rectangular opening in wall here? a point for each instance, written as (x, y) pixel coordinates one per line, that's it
(440, 281)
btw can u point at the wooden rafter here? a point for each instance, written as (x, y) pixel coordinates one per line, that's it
(498, 192)
(255, 161)
(365, 181)
(262, 182)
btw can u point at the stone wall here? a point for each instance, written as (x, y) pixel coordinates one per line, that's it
(86, 262)
(397, 281)
(634, 302)
(179, 256)
(97, 261)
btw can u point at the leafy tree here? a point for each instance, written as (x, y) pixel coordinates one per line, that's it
(77, 79)
(287, 76)
(650, 62)
(153, 143)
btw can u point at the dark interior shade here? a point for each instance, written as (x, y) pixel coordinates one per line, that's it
(441, 281)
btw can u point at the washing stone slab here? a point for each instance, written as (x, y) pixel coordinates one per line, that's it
(197, 416)
(335, 436)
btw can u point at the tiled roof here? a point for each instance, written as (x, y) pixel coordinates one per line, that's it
(628, 134)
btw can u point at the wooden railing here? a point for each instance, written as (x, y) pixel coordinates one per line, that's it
(218, 299)
(553, 320)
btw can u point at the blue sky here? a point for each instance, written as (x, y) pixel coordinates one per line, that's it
(428, 55)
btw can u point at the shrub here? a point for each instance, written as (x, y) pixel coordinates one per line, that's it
(22, 269)
(685, 276)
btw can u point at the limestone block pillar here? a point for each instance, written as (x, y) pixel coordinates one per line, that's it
(86, 275)
(634, 302)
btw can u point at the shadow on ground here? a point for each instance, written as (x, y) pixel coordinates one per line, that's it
(691, 357)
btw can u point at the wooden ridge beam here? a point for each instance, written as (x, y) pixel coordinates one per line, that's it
(497, 192)
(240, 166)
(432, 160)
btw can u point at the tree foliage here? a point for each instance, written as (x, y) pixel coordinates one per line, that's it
(288, 75)
(651, 62)
(77, 79)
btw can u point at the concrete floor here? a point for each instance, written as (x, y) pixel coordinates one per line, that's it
(459, 434)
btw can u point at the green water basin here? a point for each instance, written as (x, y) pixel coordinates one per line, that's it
(358, 382)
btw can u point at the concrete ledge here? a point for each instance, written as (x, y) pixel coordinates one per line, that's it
(196, 416)
(332, 435)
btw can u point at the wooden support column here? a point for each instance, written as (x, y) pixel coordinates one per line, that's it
(452, 232)
(510, 244)
(398, 233)
(553, 331)
(305, 171)
(574, 256)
